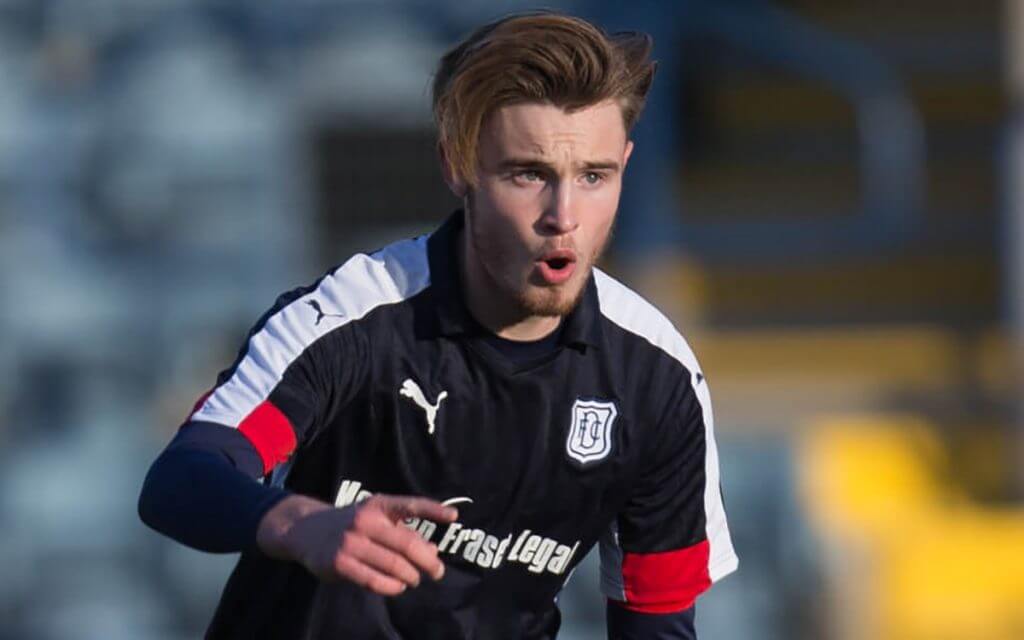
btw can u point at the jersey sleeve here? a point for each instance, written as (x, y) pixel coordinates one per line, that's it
(203, 491)
(671, 541)
(624, 624)
(303, 360)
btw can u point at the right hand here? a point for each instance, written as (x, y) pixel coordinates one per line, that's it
(364, 543)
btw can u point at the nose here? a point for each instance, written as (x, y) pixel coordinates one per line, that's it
(559, 216)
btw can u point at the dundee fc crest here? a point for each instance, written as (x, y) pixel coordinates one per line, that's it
(590, 437)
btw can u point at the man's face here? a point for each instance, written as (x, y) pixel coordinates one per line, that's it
(541, 213)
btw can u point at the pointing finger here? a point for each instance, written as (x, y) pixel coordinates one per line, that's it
(401, 507)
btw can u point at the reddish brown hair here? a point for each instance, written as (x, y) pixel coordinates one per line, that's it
(535, 57)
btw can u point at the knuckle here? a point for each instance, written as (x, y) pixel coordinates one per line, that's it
(410, 544)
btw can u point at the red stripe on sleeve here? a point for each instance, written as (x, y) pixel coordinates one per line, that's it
(270, 432)
(667, 581)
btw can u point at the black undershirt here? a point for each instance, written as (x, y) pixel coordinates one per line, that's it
(521, 352)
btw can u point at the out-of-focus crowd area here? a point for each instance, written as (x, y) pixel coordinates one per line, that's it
(827, 196)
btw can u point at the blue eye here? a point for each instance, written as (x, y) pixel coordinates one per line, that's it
(592, 177)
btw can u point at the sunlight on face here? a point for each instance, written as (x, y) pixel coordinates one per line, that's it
(548, 188)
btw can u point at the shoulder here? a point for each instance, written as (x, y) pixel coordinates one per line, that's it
(301, 320)
(347, 293)
(628, 310)
(366, 281)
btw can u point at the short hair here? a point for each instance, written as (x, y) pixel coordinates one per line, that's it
(541, 57)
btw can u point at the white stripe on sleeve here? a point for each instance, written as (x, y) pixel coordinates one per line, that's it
(628, 310)
(365, 282)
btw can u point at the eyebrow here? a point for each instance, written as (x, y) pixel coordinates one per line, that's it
(536, 163)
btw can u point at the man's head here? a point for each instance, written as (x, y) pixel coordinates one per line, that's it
(533, 115)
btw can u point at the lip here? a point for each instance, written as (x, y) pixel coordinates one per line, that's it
(548, 271)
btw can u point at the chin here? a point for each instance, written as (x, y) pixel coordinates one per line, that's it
(551, 301)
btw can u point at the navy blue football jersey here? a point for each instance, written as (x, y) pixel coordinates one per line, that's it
(377, 380)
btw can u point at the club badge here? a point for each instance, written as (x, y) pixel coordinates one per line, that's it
(590, 437)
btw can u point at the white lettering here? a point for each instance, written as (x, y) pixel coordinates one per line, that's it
(540, 559)
(487, 549)
(539, 553)
(347, 493)
(563, 555)
(449, 536)
(514, 555)
(462, 537)
(499, 555)
(527, 552)
(476, 538)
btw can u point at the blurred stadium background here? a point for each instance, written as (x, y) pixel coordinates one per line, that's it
(828, 196)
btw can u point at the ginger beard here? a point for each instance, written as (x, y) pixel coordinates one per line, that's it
(498, 252)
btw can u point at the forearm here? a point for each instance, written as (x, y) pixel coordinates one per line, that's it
(200, 493)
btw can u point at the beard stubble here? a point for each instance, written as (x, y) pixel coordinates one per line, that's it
(527, 299)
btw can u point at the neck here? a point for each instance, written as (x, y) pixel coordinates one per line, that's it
(492, 307)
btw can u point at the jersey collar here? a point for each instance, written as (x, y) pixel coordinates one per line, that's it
(581, 326)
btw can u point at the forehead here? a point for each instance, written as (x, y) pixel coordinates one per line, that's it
(542, 129)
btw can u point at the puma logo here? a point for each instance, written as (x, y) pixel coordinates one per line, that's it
(320, 315)
(412, 391)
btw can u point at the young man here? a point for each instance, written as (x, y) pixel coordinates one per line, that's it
(445, 427)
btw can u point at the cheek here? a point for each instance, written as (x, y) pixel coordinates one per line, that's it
(508, 213)
(514, 207)
(496, 235)
(496, 228)
(606, 198)
(601, 206)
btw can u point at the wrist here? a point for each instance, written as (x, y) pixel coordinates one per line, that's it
(272, 533)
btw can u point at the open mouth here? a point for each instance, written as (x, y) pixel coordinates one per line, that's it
(557, 266)
(558, 263)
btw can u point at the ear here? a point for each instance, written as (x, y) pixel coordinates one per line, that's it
(627, 153)
(455, 182)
